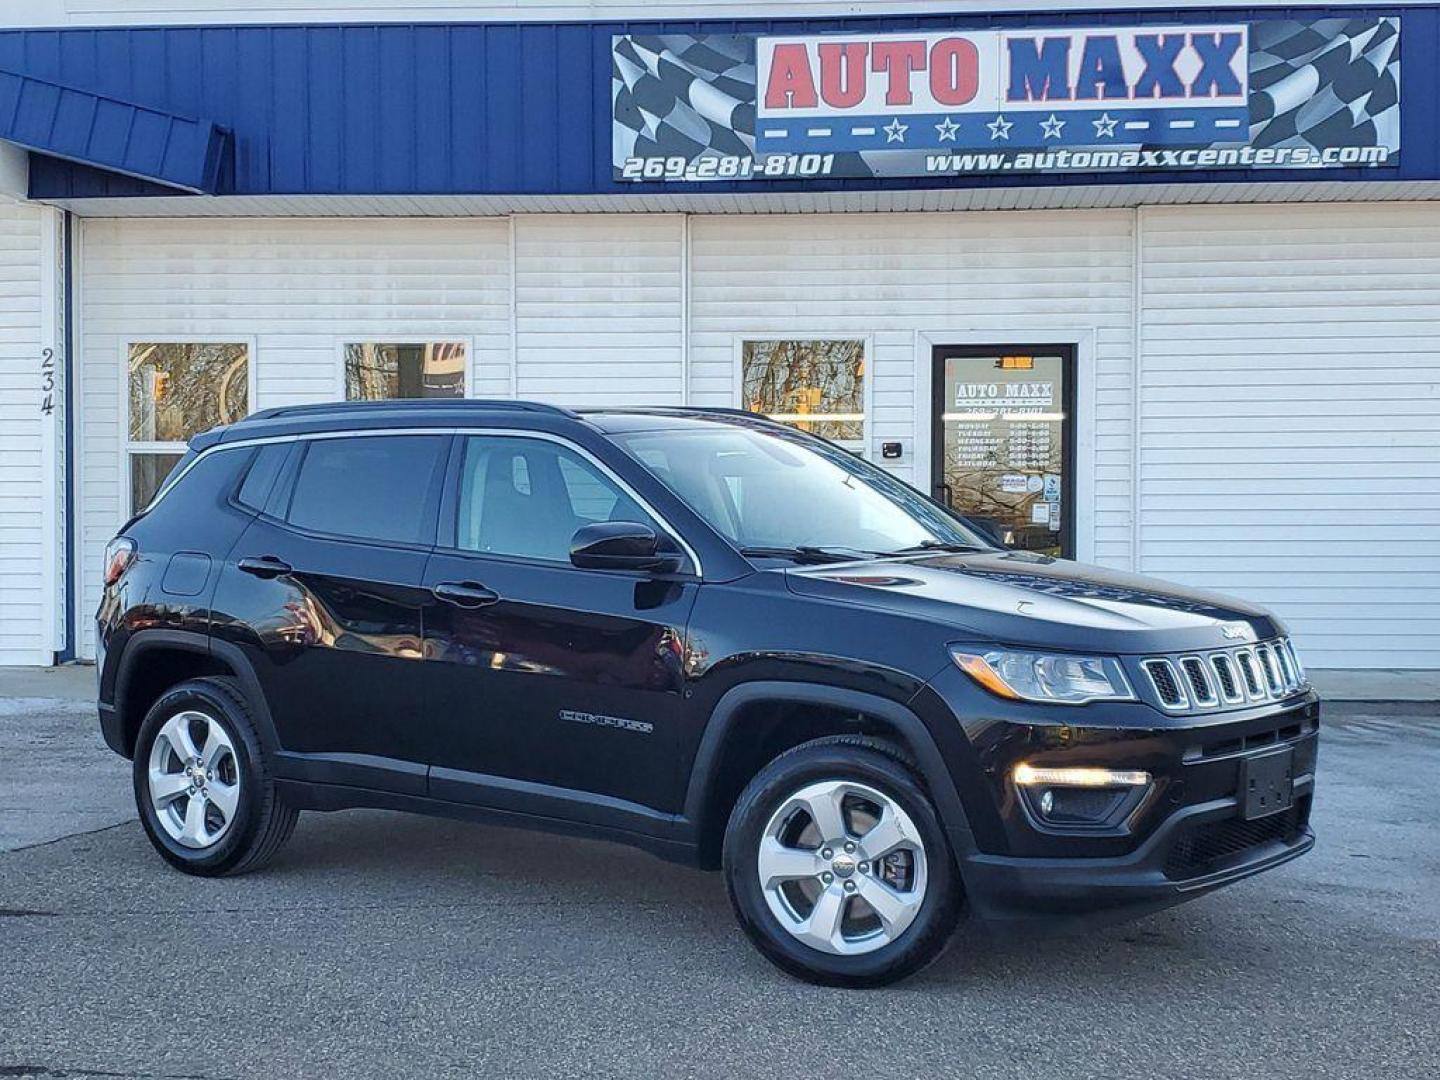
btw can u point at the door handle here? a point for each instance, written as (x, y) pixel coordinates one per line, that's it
(264, 566)
(947, 496)
(465, 594)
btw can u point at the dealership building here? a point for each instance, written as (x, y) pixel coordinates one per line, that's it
(1154, 288)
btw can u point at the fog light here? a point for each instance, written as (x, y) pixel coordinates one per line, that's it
(1029, 776)
(1080, 798)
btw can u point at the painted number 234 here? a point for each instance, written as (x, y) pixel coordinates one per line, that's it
(47, 381)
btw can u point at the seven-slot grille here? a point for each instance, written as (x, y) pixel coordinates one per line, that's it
(1268, 671)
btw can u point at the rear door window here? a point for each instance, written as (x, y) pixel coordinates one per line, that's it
(379, 487)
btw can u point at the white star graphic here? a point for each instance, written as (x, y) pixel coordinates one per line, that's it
(895, 131)
(947, 129)
(1051, 127)
(1105, 126)
(999, 128)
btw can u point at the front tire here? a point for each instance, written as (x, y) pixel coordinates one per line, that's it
(838, 867)
(203, 787)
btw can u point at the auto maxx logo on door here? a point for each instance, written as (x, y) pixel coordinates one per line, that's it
(1219, 95)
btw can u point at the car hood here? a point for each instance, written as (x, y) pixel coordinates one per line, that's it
(1020, 598)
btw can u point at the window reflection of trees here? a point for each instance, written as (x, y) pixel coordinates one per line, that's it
(179, 390)
(972, 469)
(383, 371)
(974, 484)
(790, 378)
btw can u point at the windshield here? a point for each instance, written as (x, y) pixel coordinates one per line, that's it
(767, 489)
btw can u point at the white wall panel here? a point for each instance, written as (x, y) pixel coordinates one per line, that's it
(1290, 447)
(25, 607)
(598, 313)
(298, 289)
(1009, 276)
(1290, 376)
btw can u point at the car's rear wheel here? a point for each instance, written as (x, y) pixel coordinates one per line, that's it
(203, 788)
(838, 867)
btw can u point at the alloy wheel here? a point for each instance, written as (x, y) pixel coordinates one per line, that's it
(842, 867)
(194, 779)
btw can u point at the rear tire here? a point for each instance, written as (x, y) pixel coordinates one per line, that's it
(204, 788)
(804, 896)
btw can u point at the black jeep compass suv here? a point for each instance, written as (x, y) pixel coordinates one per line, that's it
(697, 631)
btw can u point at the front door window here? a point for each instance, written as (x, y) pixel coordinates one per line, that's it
(527, 498)
(1003, 436)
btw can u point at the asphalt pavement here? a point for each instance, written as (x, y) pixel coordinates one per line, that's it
(386, 945)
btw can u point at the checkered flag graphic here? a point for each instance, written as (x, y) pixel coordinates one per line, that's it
(682, 95)
(1328, 83)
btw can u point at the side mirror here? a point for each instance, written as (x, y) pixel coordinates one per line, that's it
(621, 545)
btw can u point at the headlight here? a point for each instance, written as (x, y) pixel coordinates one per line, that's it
(1047, 677)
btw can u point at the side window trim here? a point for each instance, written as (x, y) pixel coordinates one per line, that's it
(447, 539)
(237, 493)
(443, 501)
(447, 528)
(279, 502)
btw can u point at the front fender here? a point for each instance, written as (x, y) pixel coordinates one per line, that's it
(900, 717)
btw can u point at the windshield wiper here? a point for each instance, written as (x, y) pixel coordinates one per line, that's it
(808, 553)
(937, 545)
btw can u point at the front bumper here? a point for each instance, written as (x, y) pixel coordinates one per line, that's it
(1195, 850)
(1186, 835)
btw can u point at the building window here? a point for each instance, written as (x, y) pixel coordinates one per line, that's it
(176, 391)
(816, 386)
(379, 371)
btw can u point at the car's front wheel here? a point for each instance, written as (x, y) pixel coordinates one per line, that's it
(203, 787)
(838, 867)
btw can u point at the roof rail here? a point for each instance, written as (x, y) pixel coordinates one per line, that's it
(719, 410)
(688, 410)
(325, 408)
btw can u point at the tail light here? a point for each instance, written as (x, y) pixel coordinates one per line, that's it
(119, 554)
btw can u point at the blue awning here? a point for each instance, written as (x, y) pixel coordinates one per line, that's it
(78, 125)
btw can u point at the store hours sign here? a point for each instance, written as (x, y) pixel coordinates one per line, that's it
(1271, 94)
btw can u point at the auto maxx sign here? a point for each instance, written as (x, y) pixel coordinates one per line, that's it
(1219, 95)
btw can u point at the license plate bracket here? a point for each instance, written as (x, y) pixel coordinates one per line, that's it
(1267, 783)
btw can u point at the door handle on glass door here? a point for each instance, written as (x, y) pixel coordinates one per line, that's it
(264, 566)
(466, 594)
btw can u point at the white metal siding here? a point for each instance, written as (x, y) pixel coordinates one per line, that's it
(297, 289)
(598, 314)
(1290, 419)
(1010, 276)
(24, 608)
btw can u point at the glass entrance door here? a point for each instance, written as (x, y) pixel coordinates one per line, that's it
(1003, 428)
